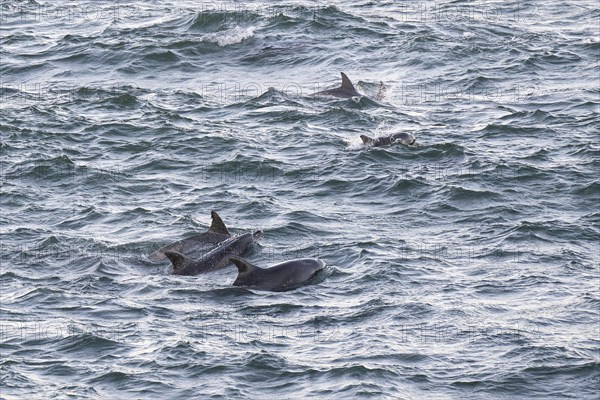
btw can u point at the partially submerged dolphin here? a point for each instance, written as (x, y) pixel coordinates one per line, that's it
(284, 276)
(404, 138)
(345, 91)
(215, 259)
(200, 243)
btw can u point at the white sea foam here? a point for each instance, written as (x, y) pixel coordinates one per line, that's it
(232, 36)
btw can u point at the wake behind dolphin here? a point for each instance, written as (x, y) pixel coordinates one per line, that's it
(346, 90)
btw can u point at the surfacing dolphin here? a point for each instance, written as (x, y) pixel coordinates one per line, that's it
(214, 259)
(201, 243)
(278, 278)
(404, 138)
(345, 91)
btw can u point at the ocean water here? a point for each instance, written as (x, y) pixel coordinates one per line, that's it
(463, 268)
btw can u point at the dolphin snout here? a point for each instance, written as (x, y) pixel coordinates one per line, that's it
(257, 235)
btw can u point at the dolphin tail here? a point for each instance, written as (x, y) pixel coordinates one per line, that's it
(346, 84)
(243, 265)
(178, 260)
(366, 139)
(217, 226)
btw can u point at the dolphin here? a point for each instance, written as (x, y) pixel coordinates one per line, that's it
(278, 278)
(345, 91)
(200, 243)
(404, 138)
(217, 258)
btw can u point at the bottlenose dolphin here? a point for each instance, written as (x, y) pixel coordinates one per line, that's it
(197, 244)
(214, 259)
(345, 91)
(404, 138)
(278, 278)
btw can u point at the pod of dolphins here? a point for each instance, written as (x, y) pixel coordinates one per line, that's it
(220, 249)
(217, 248)
(346, 91)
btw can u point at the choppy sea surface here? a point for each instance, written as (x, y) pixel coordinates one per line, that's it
(463, 268)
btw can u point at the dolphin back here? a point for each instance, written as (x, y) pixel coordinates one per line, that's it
(200, 243)
(281, 277)
(215, 259)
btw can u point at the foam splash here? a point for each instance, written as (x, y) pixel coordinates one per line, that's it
(355, 143)
(232, 36)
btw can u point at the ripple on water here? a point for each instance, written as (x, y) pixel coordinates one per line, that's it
(462, 267)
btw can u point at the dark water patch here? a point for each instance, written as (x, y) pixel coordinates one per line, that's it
(532, 116)
(460, 195)
(88, 345)
(504, 130)
(330, 17)
(549, 230)
(218, 20)
(162, 57)
(552, 58)
(277, 54)
(591, 190)
(440, 150)
(412, 188)
(22, 71)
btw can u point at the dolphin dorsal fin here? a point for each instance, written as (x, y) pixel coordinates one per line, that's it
(243, 265)
(366, 139)
(346, 84)
(178, 260)
(217, 226)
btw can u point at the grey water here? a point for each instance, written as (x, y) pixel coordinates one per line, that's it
(466, 267)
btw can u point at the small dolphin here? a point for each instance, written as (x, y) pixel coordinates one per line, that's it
(214, 259)
(404, 138)
(278, 278)
(200, 243)
(345, 91)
